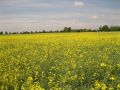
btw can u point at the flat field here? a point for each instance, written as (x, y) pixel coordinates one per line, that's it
(60, 61)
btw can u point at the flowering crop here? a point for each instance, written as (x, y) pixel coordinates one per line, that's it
(60, 61)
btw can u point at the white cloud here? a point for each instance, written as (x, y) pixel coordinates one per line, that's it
(78, 4)
(94, 17)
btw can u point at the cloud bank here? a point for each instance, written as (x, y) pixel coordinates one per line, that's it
(19, 15)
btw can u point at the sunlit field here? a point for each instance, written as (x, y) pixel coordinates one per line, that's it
(60, 61)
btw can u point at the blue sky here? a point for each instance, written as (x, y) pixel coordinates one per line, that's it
(22, 15)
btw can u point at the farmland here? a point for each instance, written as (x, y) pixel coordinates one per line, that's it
(60, 61)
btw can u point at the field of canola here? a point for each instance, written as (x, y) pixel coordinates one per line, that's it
(60, 61)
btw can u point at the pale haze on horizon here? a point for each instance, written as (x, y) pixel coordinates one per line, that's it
(36, 15)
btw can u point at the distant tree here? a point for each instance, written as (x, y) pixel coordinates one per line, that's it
(104, 28)
(26, 32)
(1, 33)
(100, 28)
(67, 29)
(115, 28)
(43, 31)
(14, 33)
(56, 31)
(89, 30)
(78, 30)
(6, 32)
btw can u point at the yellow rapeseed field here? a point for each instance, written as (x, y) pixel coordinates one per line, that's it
(60, 61)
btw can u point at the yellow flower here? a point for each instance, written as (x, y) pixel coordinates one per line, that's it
(97, 84)
(118, 86)
(30, 78)
(111, 88)
(103, 86)
(112, 77)
(118, 65)
(103, 65)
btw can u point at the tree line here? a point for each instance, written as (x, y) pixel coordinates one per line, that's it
(104, 28)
